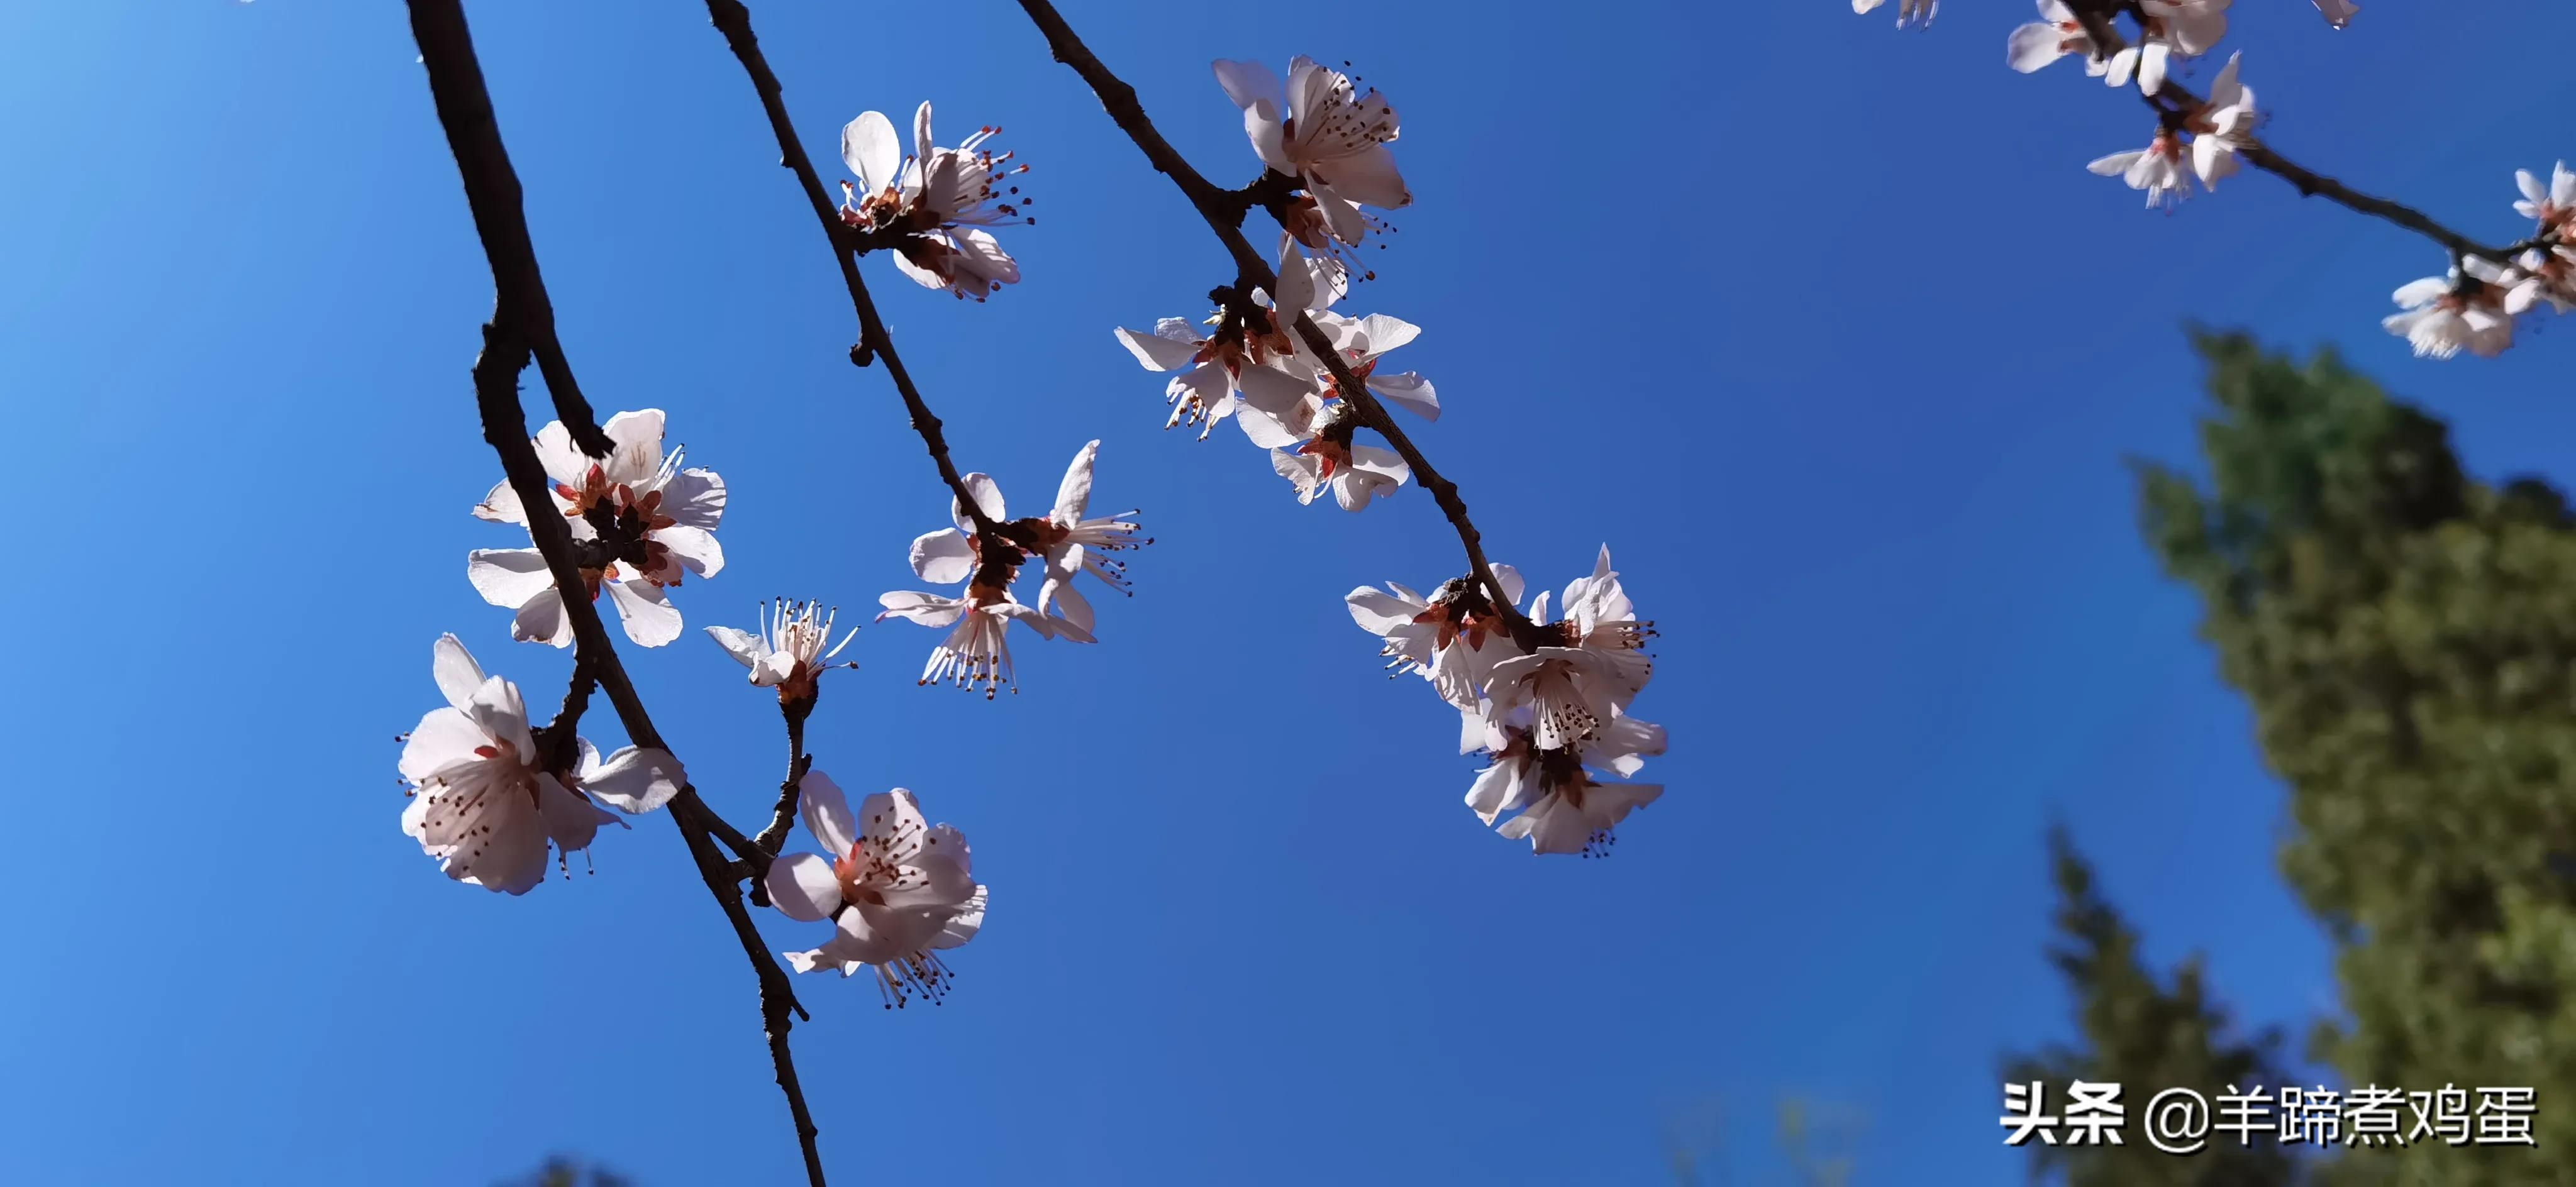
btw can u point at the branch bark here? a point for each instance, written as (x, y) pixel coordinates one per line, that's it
(522, 327)
(1224, 210)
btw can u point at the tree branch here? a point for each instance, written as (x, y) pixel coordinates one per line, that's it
(734, 21)
(1224, 210)
(522, 318)
(798, 762)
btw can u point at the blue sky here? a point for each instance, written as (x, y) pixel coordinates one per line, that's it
(1823, 328)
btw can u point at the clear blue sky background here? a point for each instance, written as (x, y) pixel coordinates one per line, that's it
(1822, 327)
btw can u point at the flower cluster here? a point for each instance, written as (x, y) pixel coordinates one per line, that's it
(2473, 306)
(1330, 140)
(897, 890)
(488, 794)
(1255, 369)
(986, 551)
(934, 202)
(639, 523)
(1547, 702)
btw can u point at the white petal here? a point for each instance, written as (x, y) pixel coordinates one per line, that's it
(542, 620)
(508, 576)
(943, 557)
(1408, 391)
(1247, 82)
(745, 647)
(651, 620)
(1156, 352)
(827, 813)
(455, 671)
(802, 887)
(1367, 176)
(695, 548)
(1074, 493)
(988, 496)
(870, 149)
(636, 779)
(926, 609)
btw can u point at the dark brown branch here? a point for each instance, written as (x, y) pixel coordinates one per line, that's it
(500, 217)
(522, 317)
(1224, 210)
(734, 21)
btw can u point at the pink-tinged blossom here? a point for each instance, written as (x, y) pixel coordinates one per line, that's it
(484, 802)
(1209, 375)
(2054, 35)
(2158, 169)
(1594, 666)
(938, 199)
(1360, 341)
(2542, 277)
(661, 518)
(2443, 315)
(788, 654)
(897, 889)
(1917, 13)
(1563, 806)
(976, 652)
(1318, 129)
(1453, 639)
(1310, 445)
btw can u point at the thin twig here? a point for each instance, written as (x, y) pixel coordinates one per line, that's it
(734, 21)
(798, 762)
(521, 318)
(1224, 211)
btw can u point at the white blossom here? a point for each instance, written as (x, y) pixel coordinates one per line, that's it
(1318, 130)
(1594, 667)
(1210, 374)
(940, 198)
(663, 517)
(1563, 807)
(2158, 169)
(1074, 544)
(484, 802)
(1453, 639)
(1360, 341)
(1310, 445)
(2445, 314)
(897, 889)
(975, 653)
(788, 654)
(2553, 206)
(2221, 125)
(1915, 12)
(2171, 28)
(2054, 35)
(2541, 277)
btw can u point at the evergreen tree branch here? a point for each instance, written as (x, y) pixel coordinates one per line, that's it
(1224, 211)
(734, 21)
(522, 317)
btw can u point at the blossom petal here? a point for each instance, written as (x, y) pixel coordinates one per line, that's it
(1409, 391)
(571, 821)
(1156, 352)
(651, 620)
(694, 498)
(455, 671)
(967, 920)
(638, 437)
(802, 887)
(636, 779)
(870, 149)
(496, 707)
(827, 813)
(943, 557)
(1247, 83)
(988, 496)
(542, 620)
(444, 738)
(891, 825)
(1368, 176)
(1074, 493)
(501, 505)
(508, 577)
(926, 609)
(745, 647)
(695, 548)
